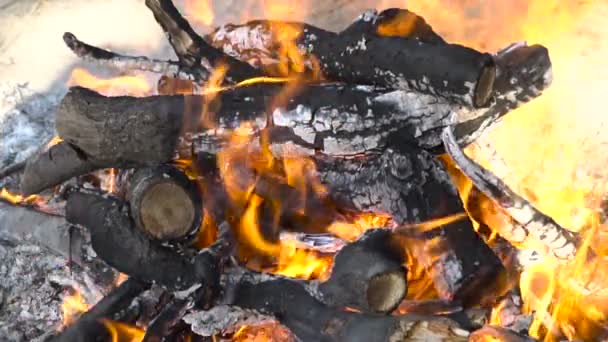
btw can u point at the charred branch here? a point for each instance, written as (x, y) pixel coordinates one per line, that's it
(494, 333)
(310, 320)
(124, 63)
(560, 241)
(164, 203)
(192, 51)
(367, 275)
(120, 244)
(89, 326)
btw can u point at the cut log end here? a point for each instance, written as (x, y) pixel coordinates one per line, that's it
(485, 85)
(164, 203)
(385, 290)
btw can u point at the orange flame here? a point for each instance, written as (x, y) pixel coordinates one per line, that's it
(200, 11)
(123, 85)
(17, 199)
(121, 332)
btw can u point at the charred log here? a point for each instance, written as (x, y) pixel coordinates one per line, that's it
(310, 320)
(59, 162)
(413, 187)
(367, 275)
(121, 245)
(165, 204)
(90, 326)
(560, 241)
(191, 49)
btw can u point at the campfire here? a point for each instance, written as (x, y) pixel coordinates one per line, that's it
(284, 182)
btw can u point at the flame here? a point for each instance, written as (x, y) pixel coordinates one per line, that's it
(54, 141)
(200, 11)
(16, 199)
(121, 332)
(73, 306)
(350, 231)
(122, 85)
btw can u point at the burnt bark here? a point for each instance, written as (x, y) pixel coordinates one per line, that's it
(165, 204)
(191, 49)
(89, 326)
(59, 162)
(495, 333)
(121, 245)
(559, 241)
(413, 187)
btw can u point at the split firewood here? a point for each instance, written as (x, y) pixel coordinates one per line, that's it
(560, 241)
(164, 203)
(191, 49)
(90, 326)
(121, 245)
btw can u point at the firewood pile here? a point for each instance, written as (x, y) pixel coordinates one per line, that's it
(271, 133)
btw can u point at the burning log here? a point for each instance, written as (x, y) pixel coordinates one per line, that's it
(310, 320)
(367, 275)
(61, 161)
(90, 326)
(115, 239)
(164, 203)
(560, 241)
(191, 49)
(413, 187)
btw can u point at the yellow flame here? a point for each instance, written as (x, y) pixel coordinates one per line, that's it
(20, 199)
(121, 332)
(54, 141)
(122, 85)
(350, 231)
(73, 306)
(200, 11)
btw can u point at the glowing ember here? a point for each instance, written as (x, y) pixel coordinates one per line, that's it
(123, 85)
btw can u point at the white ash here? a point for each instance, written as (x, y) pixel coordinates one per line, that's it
(30, 301)
(223, 319)
(26, 120)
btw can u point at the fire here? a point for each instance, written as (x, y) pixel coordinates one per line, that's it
(200, 11)
(350, 231)
(73, 306)
(123, 85)
(121, 332)
(16, 199)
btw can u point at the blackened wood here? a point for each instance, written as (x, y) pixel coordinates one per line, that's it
(412, 186)
(192, 50)
(12, 169)
(560, 241)
(89, 326)
(59, 162)
(125, 63)
(119, 243)
(367, 275)
(311, 320)
(164, 203)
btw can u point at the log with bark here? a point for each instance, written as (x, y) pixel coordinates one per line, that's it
(165, 204)
(348, 120)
